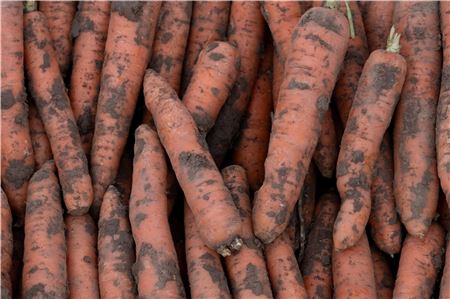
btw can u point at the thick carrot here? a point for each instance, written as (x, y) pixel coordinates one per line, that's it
(204, 97)
(415, 175)
(420, 263)
(131, 30)
(210, 201)
(59, 15)
(44, 262)
(39, 140)
(445, 282)
(245, 31)
(246, 269)
(48, 91)
(115, 248)
(316, 263)
(17, 161)
(383, 275)
(206, 275)
(89, 29)
(82, 275)
(306, 206)
(318, 48)
(377, 17)
(377, 95)
(156, 269)
(250, 150)
(353, 273)
(209, 23)
(6, 248)
(443, 110)
(326, 153)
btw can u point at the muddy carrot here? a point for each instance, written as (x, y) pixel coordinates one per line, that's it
(296, 124)
(44, 262)
(383, 275)
(415, 174)
(326, 153)
(377, 17)
(17, 161)
(445, 282)
(210, 201)
(39, 140)
(47, 90)
(246, 269)
(82, 275)
(306, 206)
(131, 30)
(7, 248)
(89, 29)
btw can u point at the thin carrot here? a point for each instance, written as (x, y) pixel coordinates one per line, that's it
(326, 153)
(278, 70)
(383, 275)
(6, 248)
(445, 282)
(41, 145)
(377, 17)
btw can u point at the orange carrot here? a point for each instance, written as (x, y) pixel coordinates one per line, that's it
(278, 70)
(39, 140)
(445, 282)
(377, 17)
(326, 153)
(383, 276)
(7, 248)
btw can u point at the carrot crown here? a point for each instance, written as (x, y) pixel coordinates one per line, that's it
(29, 6)
(393, 42)
(335, 4)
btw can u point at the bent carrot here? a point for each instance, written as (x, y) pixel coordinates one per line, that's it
(6, 248)
(326, 152)
(383, 275)
(39, 140)
(377, 17)
(445, 282)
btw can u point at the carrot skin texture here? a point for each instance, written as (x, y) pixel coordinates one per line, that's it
(82, 274)
(246, 269)
(415, 175)
(350, 281)
(289, 155)
(6, 248)
(445, 282)
(245, 31)
(420, 263)
(127, 51)
(41, 145)
(90, 27)
(59, 15)
(156, 269)
(326, 152)
(210, 201)
(383, 275)
(17, 159)
(377, 17)
(47, 89)
(115, 248)
(44, 261)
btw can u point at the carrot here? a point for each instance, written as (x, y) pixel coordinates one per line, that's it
(377, 17)
(7, 248)
(319, 42)
(17, 161)
(156, 269)
(306, 206)
(39, 140)
(415, 176)
(443, 110)
(215, 214)
(250, 150)
(209, 23)
(444, 213)
(47, 89)
(44, 262)
(130, 36)
(206, 276)
(246, 269)
(326, 153)
(59, 15)
(353, 271)
(115, 248)
(445, 282)
(420, 263)
(204, 97)
(89, 29)
(82, 275)
(316, 263)
(383, 276)
(245, 31)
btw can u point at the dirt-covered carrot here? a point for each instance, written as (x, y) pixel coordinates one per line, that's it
(131, 30)
(246, 270)
(47, 90)
(17, 161)
(89, 29)
(377, 95)
(306, 205)
(245, 31)
(209, 23)
(206, 275)
(216, 216)
(41, 146)
(326, 153)
(6, 247)
(316, 263)
(420, 263)
(383, 275)
(156, 269)
(445, 282)
(59, 15)
(115, 248)
(377, 17)
(250, 150)
(443, 108)
(82, 275)
(205, 96)
(415, 175)
(44, 263)
(353, 273)
(318, 48)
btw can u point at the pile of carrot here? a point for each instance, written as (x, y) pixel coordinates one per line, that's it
(222, 149)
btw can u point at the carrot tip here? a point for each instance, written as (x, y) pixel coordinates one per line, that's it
(393, 42)
(29, 6)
